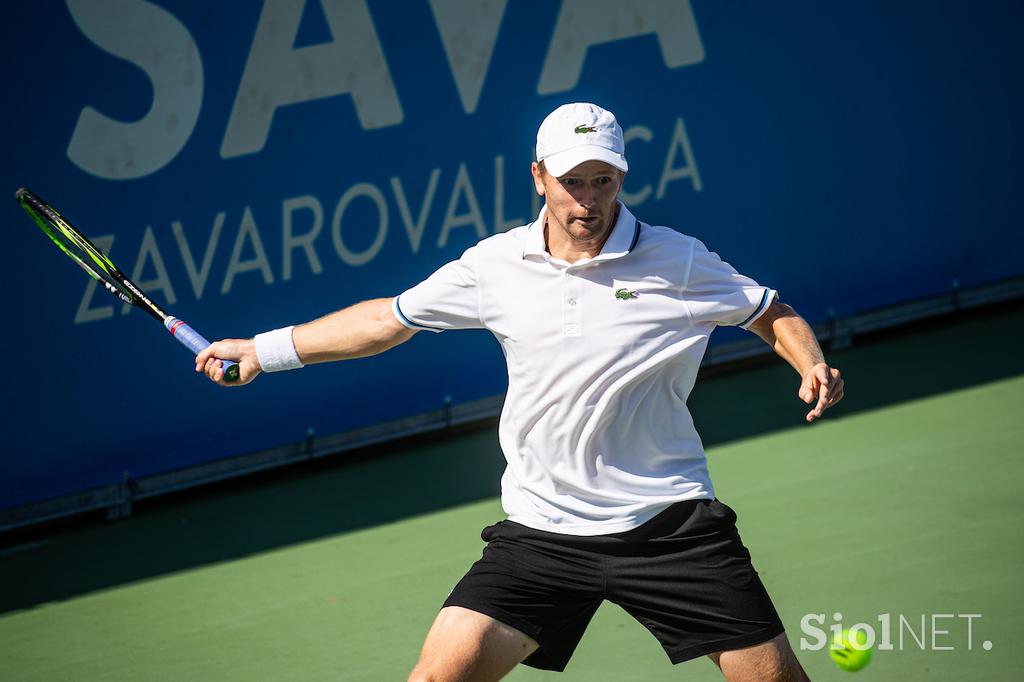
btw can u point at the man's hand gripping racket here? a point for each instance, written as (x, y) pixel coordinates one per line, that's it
(240, 352)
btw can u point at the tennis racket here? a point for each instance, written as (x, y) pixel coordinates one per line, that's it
(95, 262)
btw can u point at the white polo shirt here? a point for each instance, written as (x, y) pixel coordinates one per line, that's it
(602, 355)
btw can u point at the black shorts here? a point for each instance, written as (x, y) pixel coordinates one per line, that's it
(685, 575)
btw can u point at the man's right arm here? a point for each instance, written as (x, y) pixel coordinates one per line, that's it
(364, 329)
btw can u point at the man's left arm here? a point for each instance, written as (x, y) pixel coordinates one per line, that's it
(792, 338)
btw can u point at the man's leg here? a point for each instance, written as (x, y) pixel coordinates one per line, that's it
(772, 661)
(467, 646)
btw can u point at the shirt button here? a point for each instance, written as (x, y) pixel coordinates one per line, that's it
(572, 301)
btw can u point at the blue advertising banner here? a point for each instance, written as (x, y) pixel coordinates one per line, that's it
(256, 164)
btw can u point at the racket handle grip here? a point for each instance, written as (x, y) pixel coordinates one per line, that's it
(195, 342)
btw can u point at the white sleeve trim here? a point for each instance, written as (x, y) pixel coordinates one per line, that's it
(406, 321)
(767, 298)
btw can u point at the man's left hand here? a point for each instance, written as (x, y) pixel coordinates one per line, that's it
(825, 384)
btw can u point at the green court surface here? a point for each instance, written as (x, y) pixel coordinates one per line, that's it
(911, 509)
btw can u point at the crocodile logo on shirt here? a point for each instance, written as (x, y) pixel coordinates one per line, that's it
(584, 129)
(626, 294)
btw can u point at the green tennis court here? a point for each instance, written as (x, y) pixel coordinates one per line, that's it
(906, 502)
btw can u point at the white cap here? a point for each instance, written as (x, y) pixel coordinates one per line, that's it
(578, 132)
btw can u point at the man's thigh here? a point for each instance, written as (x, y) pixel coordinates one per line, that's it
(532, 582)
(772, 660)
(689, 579)
(466, 645)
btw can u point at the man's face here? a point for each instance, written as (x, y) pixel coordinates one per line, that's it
(581, 203)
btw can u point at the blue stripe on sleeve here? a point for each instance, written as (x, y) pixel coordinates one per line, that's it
(757, 311)
(404, 319)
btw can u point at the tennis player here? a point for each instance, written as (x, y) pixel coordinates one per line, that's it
(603, 320)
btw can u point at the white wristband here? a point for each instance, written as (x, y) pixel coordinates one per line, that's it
(276, 351)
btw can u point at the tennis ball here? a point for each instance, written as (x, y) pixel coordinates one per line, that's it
(850, 650)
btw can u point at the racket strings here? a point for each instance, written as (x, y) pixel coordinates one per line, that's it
(78, 248)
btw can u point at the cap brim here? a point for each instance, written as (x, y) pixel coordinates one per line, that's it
(561, 163)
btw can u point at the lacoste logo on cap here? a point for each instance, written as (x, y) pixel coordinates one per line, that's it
(584, 129)
(626, 294)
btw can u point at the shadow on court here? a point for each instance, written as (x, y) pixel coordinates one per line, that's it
(377, 485)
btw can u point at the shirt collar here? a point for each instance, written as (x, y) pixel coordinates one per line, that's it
(620, 242)
(535, 236)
